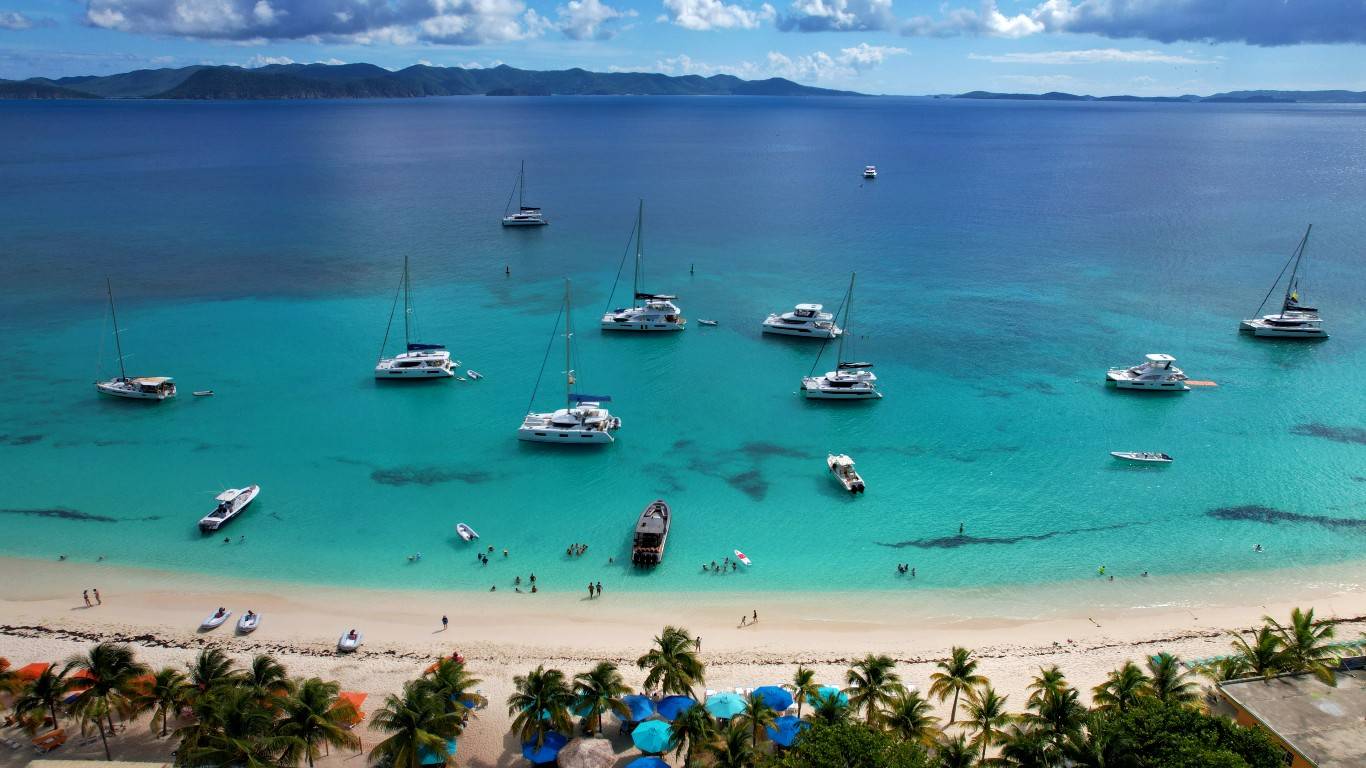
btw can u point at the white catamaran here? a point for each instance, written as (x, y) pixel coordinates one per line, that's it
(132, 387)
(416, 361)
(525, 215)
(657, 312)
(583, 420)
(1295, 320)
(850, 380)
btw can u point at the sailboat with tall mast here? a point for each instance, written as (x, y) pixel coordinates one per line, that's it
(131, 387)
(658, 312)
(1295, 320)
(583, 420)
(417, 360)
(525, 215)
(851, 379)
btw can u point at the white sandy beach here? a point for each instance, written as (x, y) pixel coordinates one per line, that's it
(1087, 629)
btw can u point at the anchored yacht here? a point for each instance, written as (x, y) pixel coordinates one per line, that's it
(231, 503)
(1295, 320)
(870, 171)
(804, 320)
(525, 215)
(132, 387)
(1158, 373)
(656, 312)
(583, 420)
(417, 361)
(850, 380)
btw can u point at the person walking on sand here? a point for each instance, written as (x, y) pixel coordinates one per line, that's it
(445, 623)
(590, 590)
(697, 643)
(599, 589)
(85, 595)
(743, 619)
(98, 601)
(756, 618)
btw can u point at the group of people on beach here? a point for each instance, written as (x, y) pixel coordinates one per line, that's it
(85, 595)
(746, 621)
(592, 587)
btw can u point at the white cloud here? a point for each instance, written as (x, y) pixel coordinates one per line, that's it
(838, 15)
(588, 19)
(15, 21)
(1089, 56)
(818, 66)
(264, 61)
(701, 15)
(988, 21)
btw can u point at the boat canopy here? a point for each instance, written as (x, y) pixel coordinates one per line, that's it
(579, 398)
(1160, 358)
(152, 380)
(659, 296)
(530, 209)
(843, 461)
(848, 366)
(228, 495)
(415, 347)
(810, 307)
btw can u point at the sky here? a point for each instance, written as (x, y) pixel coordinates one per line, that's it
(1100, 47)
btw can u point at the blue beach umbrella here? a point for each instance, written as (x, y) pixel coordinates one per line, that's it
(550, 747)
(785, 730)
(653, 737)
(670, 707)
(826, 691)
(641, 707)
(427, 757)
(773, 697)
(724, 706)
(647, 762)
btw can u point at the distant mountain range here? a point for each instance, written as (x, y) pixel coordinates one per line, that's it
(367, 81)
(1231, 97)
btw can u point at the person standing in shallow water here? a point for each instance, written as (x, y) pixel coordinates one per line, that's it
(599, 589)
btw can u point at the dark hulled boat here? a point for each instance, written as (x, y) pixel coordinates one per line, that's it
(652, 532)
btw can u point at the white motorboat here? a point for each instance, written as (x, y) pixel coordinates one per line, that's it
(215, 619)
(842, 467)
(474, 375)
(417, 361)
(804, 320)
(248, 622)
(203, 393)
(465, 532)
(656, 311)
(583, 420)
(1294, 321)
(132, 387)
(231, 503)
(1143, 456)
(350, 641)
(870, 171)
(525, 215)
(1159, 374)
(706, 322)
(850, 380)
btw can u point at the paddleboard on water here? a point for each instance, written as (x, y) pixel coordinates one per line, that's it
(742, 557)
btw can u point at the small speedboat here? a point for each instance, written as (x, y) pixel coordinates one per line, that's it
(231, 503)
(465, 532)
(474, 375)
(215, 619)
(1146, 456)
(870, 171)
(842, 467)
(248, 622)
(350, 641)
(203, 393)
(742, 557)
(706, 322)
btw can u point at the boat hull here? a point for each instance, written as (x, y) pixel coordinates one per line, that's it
(114, 389)
(1284, 333)
(564, 436)
(636, 325)
(390, 374)
(1138, 386)
(809, 333)
(524, 223)
(207, 525)
(812, 390)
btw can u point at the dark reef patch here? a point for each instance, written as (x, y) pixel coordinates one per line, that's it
(19, 439)
(682, 444)
(751, 483)
(954, 542)
(1042, 387)
(759, 450)
(1257, 513)
(1354, 435)
(428, 476)
(61, 513)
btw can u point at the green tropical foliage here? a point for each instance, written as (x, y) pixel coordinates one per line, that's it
(417, 723)
(540, 704)
(673, 664)
(957, 675)
(873, 683)
(599, 691)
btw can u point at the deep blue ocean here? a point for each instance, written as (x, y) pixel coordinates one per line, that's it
(1008, 253)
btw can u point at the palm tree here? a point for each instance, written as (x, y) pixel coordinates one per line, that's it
(955, 753)
(540, 705)
(803, 687)
(1263, 655)
(757, 715)
(1224, 669)
(9, 680)
(166, 694)
(1097, 746)
(41, 698)
(694, 728)
(237, 730)
(987, 717)
(829, 710)
(314, 717)
(599, 691)
(1057, 714)
(1171, 683)
(956, 675)
(872, 684)
(1025, 746)
(1122, 689)
(733, 749)
(416, 722)
(1306, 645)
(450, 683)
(1051, 679)
(266, 678)
(106, 674)
(909, 718)
(674, 665)
(210, 669)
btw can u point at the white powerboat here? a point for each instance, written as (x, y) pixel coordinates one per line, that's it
(850, 380)
(1294, 321)
(525, 215)
(248, 622)
(417, 361)
(804, 320)
(842, 467)
(350, 641)
(1143, 456)
(656, 311)
(132, 387)
(706, 322)
(215, 619)
(465, 532)
(231, 503)
(583, 420)
(870, 171)
(1159, 373)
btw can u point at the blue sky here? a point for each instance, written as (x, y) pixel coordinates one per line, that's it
(1158, 47)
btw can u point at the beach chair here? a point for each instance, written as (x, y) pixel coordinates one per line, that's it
(49, 741)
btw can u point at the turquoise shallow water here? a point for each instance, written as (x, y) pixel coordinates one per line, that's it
(1007, 255)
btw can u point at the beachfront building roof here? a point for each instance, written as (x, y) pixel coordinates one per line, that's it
(1317, 724)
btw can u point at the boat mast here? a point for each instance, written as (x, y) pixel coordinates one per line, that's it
(848, 307)
(568, 335)
(1290, 284)
(118, 346)
(640, 247)
(521, 188)
(407, 304)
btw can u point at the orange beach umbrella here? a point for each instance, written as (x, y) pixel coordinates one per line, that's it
(354, 699)
(31, 672)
